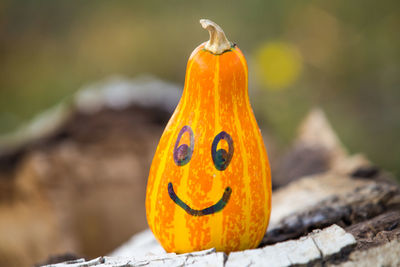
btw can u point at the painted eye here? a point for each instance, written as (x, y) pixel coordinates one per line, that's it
(183, 153)
(221, 157)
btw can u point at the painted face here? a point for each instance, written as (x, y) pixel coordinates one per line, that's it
(182, 155)
(209, 182)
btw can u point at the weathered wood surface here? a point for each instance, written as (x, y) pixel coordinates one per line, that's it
(201, 258)
(384, 255)
(317, 247)
(366, 200)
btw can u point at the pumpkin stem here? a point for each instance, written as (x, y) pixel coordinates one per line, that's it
(218, 42)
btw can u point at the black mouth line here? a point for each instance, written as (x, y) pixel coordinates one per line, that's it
(210, 210)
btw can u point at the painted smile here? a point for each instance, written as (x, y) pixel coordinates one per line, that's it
(210, 210)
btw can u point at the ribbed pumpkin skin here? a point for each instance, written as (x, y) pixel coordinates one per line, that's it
(215, 99)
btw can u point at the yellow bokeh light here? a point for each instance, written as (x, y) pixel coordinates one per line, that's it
(279, 64)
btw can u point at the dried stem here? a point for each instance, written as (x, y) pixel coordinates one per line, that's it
(218, 42)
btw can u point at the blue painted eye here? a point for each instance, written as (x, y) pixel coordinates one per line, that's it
(221, 157)
(183, 153)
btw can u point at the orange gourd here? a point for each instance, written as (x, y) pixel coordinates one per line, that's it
(209, 183)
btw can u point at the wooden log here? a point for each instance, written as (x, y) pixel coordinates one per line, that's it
(384, 255)
(319, 246)
(367, 200)
(201, 258)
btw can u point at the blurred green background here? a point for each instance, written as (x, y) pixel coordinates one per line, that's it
(341, 55)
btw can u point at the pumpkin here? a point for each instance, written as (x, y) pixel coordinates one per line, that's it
(209, 183)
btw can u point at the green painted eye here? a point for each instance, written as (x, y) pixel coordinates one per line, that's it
(183, 153)
(221, 157)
